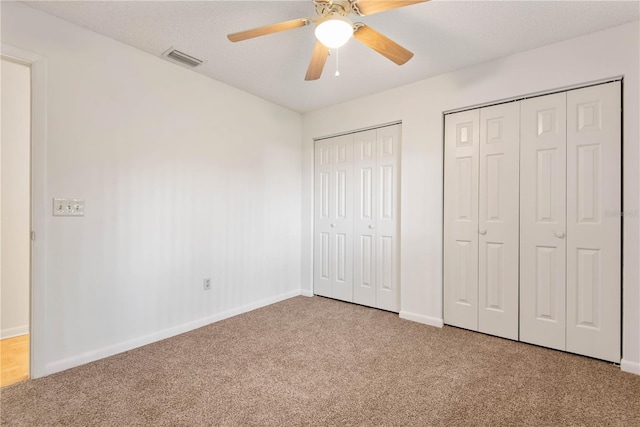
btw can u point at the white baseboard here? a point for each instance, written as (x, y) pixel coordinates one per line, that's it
(101, 353)
(306, 293)
(631, 367)
(420, 318)
(14, 332)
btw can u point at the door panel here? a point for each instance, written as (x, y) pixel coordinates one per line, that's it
(387, 224)
(465, 186)
(545, 283)
(341, 194)
(324, 260)
(365, 212)
(333, 240)
(342, 284)
(342, 218)
(323, 182)
(461, 219)
(387, 282)
(498, 220)
(543, 220)
(594, 238)
(367, 263)
(323, 236)
(495, 277)
(464, 282)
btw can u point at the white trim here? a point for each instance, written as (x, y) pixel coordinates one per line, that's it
(535, 94)
(14, 332)
(631, 367)
(110, 350)
(420, 318)
(21, 55)
(364, 129)
(306, 293)
(38, 204)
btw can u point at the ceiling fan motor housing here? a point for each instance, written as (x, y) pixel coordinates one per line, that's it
(341, 7)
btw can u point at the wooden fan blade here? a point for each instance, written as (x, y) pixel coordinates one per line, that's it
(369, 7)
(382, 44)
(268, 29)
(318, 58)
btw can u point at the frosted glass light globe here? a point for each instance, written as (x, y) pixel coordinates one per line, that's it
(334, 32)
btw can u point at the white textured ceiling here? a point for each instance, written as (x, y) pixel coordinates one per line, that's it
(444, 35)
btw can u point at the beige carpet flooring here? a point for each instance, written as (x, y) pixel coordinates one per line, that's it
(315, 361)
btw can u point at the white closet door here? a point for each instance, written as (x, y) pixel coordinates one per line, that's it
(461, 219)
(364, 221)
(342, 224)
(543, 220)
(323, 232)
(333, 258)
(498, 220)
(593, 221)
(387, 223)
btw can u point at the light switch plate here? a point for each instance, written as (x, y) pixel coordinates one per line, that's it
(68, 207)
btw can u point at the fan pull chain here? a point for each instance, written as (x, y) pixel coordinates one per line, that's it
(337, 63)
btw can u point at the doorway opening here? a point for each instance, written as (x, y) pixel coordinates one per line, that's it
(15, 221)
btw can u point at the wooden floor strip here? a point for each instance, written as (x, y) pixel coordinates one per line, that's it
(14, 360)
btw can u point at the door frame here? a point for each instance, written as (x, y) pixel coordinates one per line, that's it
(37, 324)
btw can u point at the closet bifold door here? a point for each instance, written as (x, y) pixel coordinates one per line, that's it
(323, 170)
(498, 220)
(543, 220)
(333, 201)
(594, 221)
(376, 202)
(461, 219)
(365, 215)
(388, 218)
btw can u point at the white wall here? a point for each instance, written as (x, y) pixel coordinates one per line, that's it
(420, 106)
(16, 214)
(184, 178)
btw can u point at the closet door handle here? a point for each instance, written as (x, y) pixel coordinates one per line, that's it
(483, 232)
(371, 227)
(332, 225)
(559, 234)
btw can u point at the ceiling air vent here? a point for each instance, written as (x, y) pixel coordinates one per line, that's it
(182, 58)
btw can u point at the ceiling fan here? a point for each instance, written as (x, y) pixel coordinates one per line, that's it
(334, 29)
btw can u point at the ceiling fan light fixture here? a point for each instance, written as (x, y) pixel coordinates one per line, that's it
(334, 32)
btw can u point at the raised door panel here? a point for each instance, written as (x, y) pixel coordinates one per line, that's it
(593, 233)
(543, 220)
(461, 219)
(498, 220)
(387, 224)
(364, 221)
(324, 257)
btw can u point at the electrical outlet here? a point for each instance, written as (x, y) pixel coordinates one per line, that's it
(207, 284)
